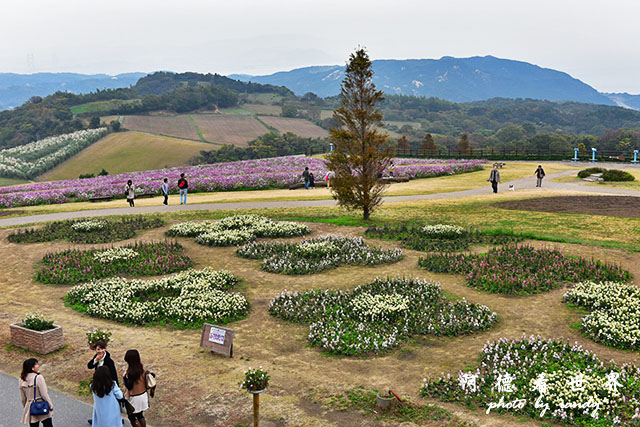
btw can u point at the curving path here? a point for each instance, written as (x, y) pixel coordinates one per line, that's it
(519, 184)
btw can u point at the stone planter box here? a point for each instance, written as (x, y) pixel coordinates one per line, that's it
(41, 342)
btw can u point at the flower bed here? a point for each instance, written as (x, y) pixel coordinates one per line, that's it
(75, 266)
(439, 237)
(92, 231)
(186, 299)
(278, 172)
(378, 316)
(522, 270)
(236, 230)
(545, 379)
(615, 312)
(315, 255)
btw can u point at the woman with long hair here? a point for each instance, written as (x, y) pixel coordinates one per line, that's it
(106, 409)
(136, 388)
(130, 192)
(30, 380)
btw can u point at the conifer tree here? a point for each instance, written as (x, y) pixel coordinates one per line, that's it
(464, 148)
(428, 147)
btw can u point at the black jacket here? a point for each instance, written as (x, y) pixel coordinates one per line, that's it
(184, 186)
(108, 362)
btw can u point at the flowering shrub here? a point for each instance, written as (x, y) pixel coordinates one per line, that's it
(89, 226)
(185, 299)
(109, 256)
(75, 266)
(236, 230)
(522, 270)
(96, 335)
(438, 238)
(318, 254)
(279, 172)
(30, 160)
(94, 231)
(37, 322)
(615, 312)
(255, 379)
(378, 316)
(555, 381)
(442, 231)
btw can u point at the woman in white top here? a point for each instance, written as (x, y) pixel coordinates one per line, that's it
(130, 193)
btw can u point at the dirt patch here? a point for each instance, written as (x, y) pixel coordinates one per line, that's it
(620, 206)
(8, 213)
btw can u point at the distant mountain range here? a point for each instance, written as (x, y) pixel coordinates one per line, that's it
(17, 88)
(454, 79)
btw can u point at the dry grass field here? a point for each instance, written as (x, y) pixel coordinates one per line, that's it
(262, 109)
(127, 152)
(299, 373)
(229, 129)
(178, 126)
(301, 127)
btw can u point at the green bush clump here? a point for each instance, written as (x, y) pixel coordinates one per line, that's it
(73, 231)
(590, 171)
(37, 322)
(138, 259)
(522, 269)
(616, 175)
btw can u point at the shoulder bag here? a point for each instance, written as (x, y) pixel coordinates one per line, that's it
(39, 406)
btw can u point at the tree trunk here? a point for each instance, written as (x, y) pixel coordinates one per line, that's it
(365, 213)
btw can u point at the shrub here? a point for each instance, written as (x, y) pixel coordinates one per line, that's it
(615, 312)
(590, 171)
(138, 259)
(522, 270)
(37, 322)
(318, 254)
(186, 299)
(539, 372)
(96, 335)
(86, 231)
(617, 175)
(255, 379)
(378, 316)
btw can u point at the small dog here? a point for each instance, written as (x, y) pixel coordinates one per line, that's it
(511, 187)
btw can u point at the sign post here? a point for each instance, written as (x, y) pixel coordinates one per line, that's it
(593, 154)
(635, 157)
(575, 154)
(217, 339)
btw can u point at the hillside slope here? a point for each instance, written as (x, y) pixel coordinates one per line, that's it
(453, 79)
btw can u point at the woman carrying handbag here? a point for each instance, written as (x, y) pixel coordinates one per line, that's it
(135, 389)
(35, 397)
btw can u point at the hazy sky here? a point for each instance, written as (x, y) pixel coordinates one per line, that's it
(593, 40)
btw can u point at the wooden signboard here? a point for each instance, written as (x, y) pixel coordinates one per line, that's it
(217, 339)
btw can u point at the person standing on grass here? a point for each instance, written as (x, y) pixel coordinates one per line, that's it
(183, 185)
(106, 409)
(165, 191)
(539, 173)
(100, 359)
(32, 386)
(136, 388)
(305, 175)
(312, 181)
(129, 191)
(494, 178)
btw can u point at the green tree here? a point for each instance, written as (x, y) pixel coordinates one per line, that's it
(94, 122)
(289, 110)
(115, 125)
(464, 148)
(361, 150)
(428, 147)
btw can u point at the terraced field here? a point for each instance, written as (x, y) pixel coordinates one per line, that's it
(179, 126)
(229, 129)
(300, 127)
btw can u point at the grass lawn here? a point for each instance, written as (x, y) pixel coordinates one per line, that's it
(630, 185)
(126, 152)
(5, 182)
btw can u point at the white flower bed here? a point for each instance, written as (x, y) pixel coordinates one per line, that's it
(29, 160)
(379, 306)
(89, 226)
(186, 299)
(114, 254)
(442, 231)
(236, 230)
(615, 312)
(314, 255)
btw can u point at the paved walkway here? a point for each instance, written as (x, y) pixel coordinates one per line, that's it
(519, 184)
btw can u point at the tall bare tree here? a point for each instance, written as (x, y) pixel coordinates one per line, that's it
(361, 151)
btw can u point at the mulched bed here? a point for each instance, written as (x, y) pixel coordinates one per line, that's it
(620, 206)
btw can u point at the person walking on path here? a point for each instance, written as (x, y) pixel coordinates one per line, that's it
(305, 175)
(136, 388)
(102, 358)
(539, 173)
(165, 191)
(183, 185)
(106, 409)
(494, 178)
(129, 191)
(32, 387)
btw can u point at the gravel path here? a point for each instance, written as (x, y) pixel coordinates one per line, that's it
(519, 184)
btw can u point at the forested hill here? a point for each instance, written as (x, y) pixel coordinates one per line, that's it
(453, 79)
(177, 92)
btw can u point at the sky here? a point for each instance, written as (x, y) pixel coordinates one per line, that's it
(592, 40)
